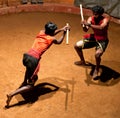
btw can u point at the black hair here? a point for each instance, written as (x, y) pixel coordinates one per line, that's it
(50, 27)
(98, 10)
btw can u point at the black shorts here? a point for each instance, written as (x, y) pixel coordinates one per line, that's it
(30, 62)
(91, 42)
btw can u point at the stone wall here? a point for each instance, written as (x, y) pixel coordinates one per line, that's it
(63, 6)
(16, 2)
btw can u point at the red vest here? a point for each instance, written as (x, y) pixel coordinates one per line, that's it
(100, 34)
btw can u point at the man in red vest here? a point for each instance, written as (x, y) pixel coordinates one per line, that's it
(99, 39)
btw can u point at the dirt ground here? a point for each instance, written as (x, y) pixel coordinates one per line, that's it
(63, 90)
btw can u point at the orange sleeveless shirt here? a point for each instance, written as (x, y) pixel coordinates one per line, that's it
(41, 44)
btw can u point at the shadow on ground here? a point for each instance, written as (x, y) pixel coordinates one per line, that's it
(38, 90)
(47, 89)
(108, 76)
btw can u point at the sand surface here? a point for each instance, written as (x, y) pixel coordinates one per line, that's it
(63, 90)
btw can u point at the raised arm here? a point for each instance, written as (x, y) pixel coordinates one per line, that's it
(85, 24)
(101, 26)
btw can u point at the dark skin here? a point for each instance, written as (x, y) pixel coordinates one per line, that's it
(86, 25)
(28, 87)
(55, 41)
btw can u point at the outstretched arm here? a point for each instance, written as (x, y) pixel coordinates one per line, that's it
(57, 31)
(61, 29)
(59, 41)
(64, 29)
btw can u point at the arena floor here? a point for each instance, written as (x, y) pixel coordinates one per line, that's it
(63, 90)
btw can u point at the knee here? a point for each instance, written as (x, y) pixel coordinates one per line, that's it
(98, 55)
(35, 77)
(75, 46)
(78, 45)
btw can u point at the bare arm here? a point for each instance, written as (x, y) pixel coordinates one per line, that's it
(57, 31)
(84, 26)
(101, 26)
(59, 41)
(64, 29)
(104, 24)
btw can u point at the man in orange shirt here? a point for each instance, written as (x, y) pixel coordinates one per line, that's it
(31, 59)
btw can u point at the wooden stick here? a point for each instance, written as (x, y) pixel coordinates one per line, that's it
(81, 12)
(67, 35)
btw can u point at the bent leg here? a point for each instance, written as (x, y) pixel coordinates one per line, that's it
(98, 55)
(18, 91)
(78, 48)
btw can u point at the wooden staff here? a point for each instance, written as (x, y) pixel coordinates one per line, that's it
(81, 13)
(67, 35)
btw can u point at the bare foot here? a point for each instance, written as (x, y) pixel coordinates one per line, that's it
(96, 74)
(81, 63)
(8, 100)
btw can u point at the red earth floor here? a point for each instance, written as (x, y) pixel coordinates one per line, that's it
(77, 95)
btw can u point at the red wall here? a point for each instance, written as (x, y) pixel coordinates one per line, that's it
(65, 6)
